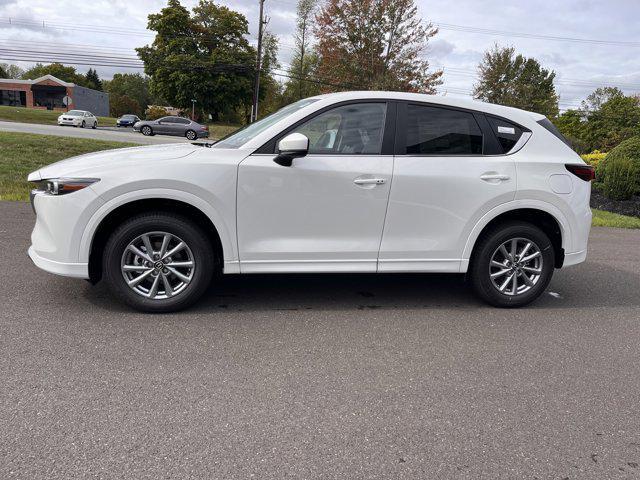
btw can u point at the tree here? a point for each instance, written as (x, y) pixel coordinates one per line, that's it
(270, 95)
(304, 63)
(204, 56)
(131, 85)
(64, 73)
(92, 80)
(121, 105)
(11, 70)
(372, 44)
(516, 81)
(3, 73)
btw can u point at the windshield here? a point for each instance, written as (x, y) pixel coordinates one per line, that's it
(75, 112)
(242, 136)
(128, 117)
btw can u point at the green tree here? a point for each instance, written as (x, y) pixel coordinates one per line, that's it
(305, 61)
(11, 70)
(516, 81)
(64, 73)
(131, 85)
(374, 45)
(92, 80)
(203, 56)
(3, 72)
(122, 104)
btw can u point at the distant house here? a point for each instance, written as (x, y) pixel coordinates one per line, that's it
(170, 110)
(47, 93)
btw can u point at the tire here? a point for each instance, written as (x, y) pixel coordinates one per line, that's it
(198, 252)
(488, 258)
(191, 135)
(146, 130)
(95, 125)
(83, 124)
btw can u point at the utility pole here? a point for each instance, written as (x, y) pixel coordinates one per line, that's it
(256, 83)
(193, 109)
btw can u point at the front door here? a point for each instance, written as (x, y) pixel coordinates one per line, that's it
(324, 213)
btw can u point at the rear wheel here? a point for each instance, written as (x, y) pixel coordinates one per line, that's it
(158, 262)
(512, 264)
(95, 125)
(146, 130)
(191, 135)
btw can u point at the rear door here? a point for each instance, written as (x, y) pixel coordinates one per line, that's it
(446, 177)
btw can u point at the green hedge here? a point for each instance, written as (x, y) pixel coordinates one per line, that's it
(629, 149)
(620, 178)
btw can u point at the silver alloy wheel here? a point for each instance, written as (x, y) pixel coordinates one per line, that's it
(191, 135)
(516, 266)
(157, 265)
(146, 130)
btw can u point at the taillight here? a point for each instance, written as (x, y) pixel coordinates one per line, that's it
(584, 172)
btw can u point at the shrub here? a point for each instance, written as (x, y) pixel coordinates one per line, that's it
(629, 149)
(155, 112)
(620, 178)
(593, 158)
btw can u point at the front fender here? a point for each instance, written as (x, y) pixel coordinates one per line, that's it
(225, 228)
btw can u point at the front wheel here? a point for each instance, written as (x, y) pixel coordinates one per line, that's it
(158, 262)
(84, 124)
(512, 264)
(146, 131)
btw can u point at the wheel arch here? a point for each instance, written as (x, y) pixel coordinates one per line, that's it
(117, 210)
(550, 221)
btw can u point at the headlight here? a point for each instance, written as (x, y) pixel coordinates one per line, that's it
(62, 186)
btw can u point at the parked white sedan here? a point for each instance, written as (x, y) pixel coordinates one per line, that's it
(78, 118)
(347, 182)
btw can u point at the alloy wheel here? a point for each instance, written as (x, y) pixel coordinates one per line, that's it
(191, 135)
(157, 265)
(516, 266)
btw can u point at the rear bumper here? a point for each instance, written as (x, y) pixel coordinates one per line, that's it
(75, 270)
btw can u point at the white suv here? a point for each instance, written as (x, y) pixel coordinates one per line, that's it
(347, 182)
(78, 118)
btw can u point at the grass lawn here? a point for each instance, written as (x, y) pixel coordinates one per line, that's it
(22, 153)
(608, 219)
(219, 130)
(45, 117)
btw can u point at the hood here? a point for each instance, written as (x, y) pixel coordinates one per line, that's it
(84, 165)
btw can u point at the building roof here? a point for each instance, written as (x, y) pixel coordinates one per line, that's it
(38, 80)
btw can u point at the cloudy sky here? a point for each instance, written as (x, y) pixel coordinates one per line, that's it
(589, 43)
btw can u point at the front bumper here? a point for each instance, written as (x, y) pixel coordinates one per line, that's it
(75, 270)
(56, 236)
(74, 123)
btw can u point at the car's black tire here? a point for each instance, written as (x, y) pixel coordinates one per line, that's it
(188, 232)
(480, 268)
(191, 135)
(95, 125)
(84, 124)
(146, 130)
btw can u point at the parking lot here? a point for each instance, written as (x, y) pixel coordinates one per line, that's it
(331, 376)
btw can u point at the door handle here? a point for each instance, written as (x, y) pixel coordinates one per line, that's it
(369, 181)
(494, 176)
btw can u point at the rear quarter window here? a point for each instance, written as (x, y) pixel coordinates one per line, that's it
(506, 132)
(550, 127)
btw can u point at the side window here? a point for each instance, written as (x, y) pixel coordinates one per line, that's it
(507, 133)
(440, 131)
(183, 121)
(355, 129)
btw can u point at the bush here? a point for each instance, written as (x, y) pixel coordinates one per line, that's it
(629, 149)
(620, 178)
(593, 158)
(154, 113)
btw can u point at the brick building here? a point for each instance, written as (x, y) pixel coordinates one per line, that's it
(47, 92)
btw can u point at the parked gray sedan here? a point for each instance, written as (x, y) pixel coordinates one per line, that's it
(178, 126)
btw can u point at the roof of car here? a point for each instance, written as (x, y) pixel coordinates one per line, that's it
(490, 108)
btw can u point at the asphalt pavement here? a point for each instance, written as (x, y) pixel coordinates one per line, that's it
(325, 376)
(101, 133)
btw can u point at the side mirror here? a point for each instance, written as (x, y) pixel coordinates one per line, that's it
(294, 145)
